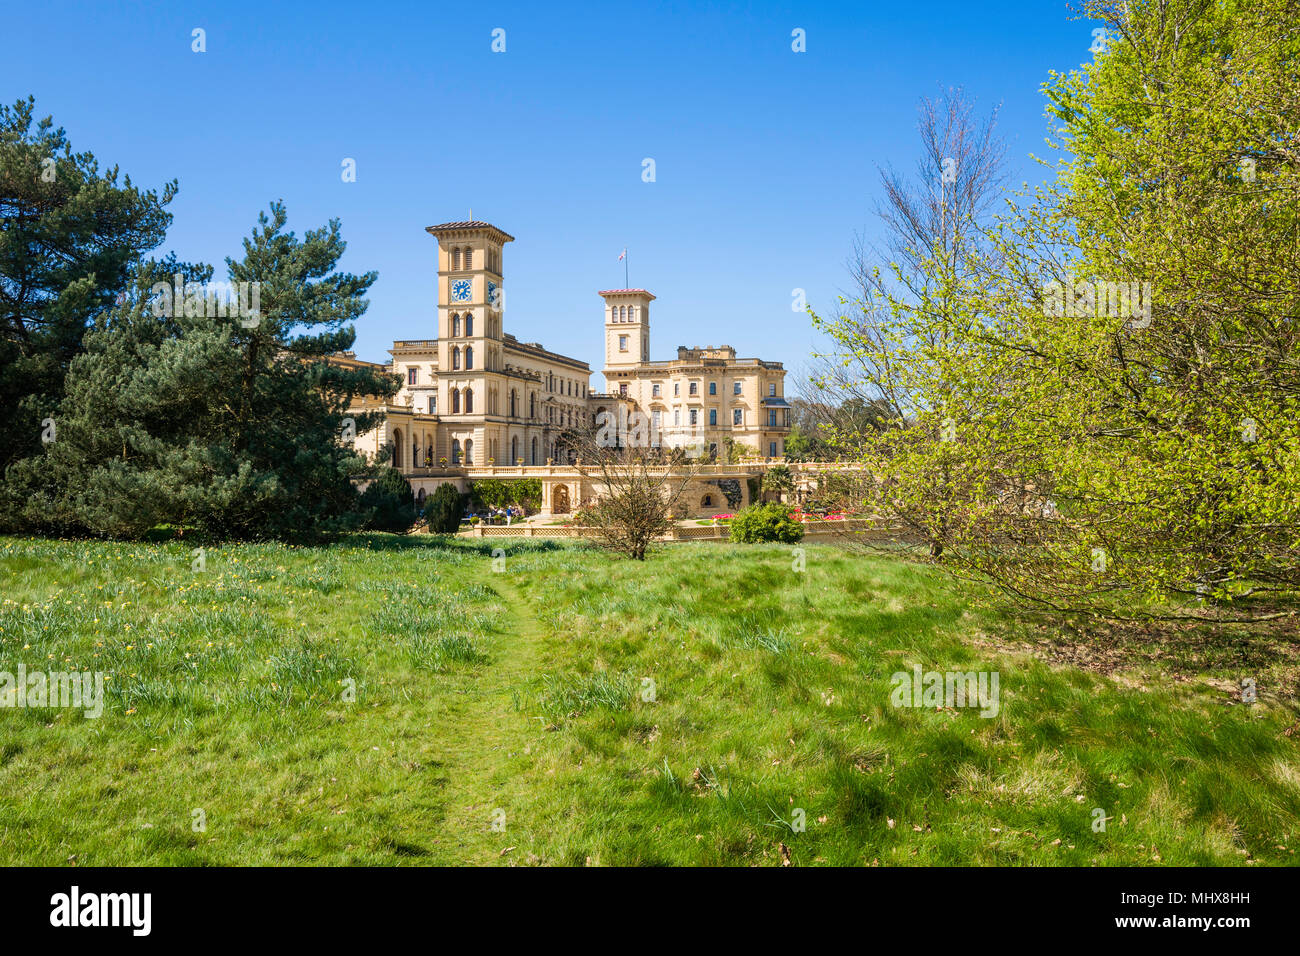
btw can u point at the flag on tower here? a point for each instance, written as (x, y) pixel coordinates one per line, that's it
(622, 254)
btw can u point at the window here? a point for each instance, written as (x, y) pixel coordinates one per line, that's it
(412, 375)
(455, 323)
(713, 388)
(433, 404)
(657, 418)
(512, 403)
(713, 416)
(694, 419)
(737, 416)
(677, 417)
(469, 356)
(695, 388)
(654, 390)
(771, 390)
(622, 388)
(771, 449)
(469, 264)
(469, 407)
(455, 449)
(677, 389)
(771, 417)
(469, 323)
(622, 343)
(532, 408)
(455, 357)
(455, 259)
(455, 401)
(735, 388)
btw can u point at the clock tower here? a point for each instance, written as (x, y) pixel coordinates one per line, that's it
(471, 295)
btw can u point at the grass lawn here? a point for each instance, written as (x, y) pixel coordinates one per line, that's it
(501, 716)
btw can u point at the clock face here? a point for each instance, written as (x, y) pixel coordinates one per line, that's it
(460, 290)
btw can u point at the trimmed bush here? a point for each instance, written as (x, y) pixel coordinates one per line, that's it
(766, 523)
(390, 501)
(444, 510)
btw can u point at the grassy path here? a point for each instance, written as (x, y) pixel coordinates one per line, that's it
(688, 710)
(486, 758)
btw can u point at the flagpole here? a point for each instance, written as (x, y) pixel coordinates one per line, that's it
(625, 285)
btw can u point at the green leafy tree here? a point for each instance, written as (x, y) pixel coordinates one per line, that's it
(1101, 401)
(770, 522)
(500, 492)
(778, 480)
(69, 234)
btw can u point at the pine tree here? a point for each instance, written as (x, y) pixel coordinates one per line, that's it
(389, 502)
(445, 509)
(68, 239)
(232, 425)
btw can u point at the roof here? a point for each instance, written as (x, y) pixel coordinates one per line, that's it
(625, 292)
(468, 224)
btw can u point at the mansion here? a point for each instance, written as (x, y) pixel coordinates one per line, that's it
(477, 397)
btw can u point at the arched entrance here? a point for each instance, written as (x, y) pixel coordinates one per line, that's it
(397, 448)
(560, 500)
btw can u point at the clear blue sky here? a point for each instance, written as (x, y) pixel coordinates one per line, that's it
(765, 158)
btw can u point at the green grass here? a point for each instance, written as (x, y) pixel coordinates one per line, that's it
(385, 700)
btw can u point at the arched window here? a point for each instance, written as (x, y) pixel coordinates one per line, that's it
(469, 451)
(469, 356)
(469, 403)
(512, 405)
(514, 450)
(455, 401)
(622, 313)
(455, 323)
(469, 264)
(397, 448)
(631, 313)
(532, 410)
(455, 450)
(469, 323)
(533, 461)
(455, 259)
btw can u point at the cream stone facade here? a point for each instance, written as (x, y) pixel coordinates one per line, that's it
(702, 397)
(475, 397)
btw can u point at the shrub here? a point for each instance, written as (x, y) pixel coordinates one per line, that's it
(444, 510)
(772, 522)
(499, 493)
(390, 501)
